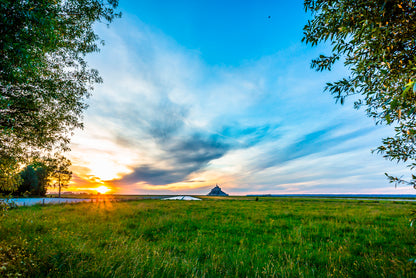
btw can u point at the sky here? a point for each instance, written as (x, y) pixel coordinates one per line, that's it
(198, 93)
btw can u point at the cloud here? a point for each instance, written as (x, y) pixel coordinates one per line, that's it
(181, 158)
(164, 120)
(315, 142)
(192, 153)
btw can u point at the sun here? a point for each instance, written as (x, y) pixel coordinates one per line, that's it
(102, 189)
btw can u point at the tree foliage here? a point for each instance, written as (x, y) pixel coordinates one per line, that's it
(376, 41)
(44, 78)
(9, 173)
(43, 175)
(35, 179)
(30, 180)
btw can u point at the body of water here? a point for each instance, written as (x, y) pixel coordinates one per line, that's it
(34, 201)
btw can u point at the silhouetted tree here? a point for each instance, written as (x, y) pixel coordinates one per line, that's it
(59, 172)
(35, 179)
(42, 174)
(30, 180)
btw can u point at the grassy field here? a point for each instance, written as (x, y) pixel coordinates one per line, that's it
(274, 237)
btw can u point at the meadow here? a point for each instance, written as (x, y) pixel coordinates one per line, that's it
(216, 237)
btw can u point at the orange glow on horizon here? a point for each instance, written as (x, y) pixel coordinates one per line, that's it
(102, 189)
(83, 182)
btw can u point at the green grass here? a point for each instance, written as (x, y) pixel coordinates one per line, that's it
(212, 238)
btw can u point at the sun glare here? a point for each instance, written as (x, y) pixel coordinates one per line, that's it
(102, 189)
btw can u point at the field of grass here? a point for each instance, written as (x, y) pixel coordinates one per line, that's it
(274, 237)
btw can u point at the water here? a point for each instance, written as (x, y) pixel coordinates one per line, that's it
(33, 201)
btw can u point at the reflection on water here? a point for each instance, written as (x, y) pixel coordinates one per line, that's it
(34, 201)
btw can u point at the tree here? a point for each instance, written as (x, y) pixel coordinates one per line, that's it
(30, 180)
(376, 41)
(42, 173)
(58, 168)
(43, 176)
(44, 78)
(35, 179)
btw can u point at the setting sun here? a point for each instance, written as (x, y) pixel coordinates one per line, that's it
(102, 189)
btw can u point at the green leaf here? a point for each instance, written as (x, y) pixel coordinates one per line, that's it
(388, 120)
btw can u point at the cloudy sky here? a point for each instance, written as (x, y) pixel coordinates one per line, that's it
(198, 93)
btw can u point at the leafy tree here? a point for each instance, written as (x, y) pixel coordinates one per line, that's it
(35, 179)
(376, 42)
(44, 78)
(30, 180)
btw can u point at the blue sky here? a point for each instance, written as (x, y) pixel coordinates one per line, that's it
(203, 92)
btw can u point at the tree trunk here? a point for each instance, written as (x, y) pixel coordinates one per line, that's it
(59, 184)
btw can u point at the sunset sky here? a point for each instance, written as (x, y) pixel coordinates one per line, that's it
(198, 93)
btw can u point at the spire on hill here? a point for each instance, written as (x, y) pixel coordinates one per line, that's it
(216, 191)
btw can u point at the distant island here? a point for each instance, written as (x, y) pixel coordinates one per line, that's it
(216, 191)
